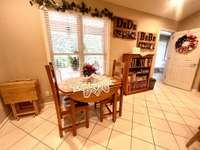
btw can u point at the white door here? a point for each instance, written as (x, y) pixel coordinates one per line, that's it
(181, 68)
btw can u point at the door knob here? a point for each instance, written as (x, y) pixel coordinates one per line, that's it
(193, 65)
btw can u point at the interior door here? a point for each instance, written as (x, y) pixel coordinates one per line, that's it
(181, 68)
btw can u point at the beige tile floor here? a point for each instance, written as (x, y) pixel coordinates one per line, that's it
(162, 119)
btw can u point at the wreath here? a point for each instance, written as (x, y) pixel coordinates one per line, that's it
(186, 44)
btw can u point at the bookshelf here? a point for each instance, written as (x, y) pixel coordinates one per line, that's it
(136, 72)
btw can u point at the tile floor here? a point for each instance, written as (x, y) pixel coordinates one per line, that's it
(162, 119)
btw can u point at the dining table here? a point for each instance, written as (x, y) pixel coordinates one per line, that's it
(90, 86)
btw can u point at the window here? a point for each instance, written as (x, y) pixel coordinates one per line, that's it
(76, 40)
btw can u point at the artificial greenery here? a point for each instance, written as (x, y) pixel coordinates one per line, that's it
(74, 62)
(72, 6)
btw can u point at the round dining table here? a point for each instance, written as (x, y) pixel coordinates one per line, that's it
(71, 86)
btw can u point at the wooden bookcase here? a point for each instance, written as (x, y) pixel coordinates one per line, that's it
(136, 72)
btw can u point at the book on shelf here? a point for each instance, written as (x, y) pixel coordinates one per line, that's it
(140, 62)
(141, 78)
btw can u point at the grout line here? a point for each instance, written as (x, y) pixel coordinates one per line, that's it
(178, 112)
(167, 119)
(110, 135)
(88, 136)
(133, 107)
(5, 121)
(32, 135)
(150, 123)
(16, 142)
(196, 116)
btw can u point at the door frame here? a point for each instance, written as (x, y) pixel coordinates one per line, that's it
(192, 87)
(155, 53)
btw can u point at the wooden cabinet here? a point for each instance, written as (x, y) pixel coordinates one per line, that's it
(22, 96)
(136, 72)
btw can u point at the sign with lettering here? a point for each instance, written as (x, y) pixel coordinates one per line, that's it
(124, 28)
(146, 41)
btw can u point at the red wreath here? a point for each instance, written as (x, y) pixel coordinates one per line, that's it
(186, 44)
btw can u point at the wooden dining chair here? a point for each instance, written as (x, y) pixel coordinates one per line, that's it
(62, 107)
(101, 99)
(195, 138)
(117, 73)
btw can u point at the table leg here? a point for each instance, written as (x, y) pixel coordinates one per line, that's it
(14, 111)
(36, 107)
(73, 114)
(115, 107)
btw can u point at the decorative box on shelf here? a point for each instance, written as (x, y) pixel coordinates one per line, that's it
(136, 72)
(22, 96)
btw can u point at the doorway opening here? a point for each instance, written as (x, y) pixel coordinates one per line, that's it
(161, 55)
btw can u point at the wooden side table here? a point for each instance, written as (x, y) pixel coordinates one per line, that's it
(19, 93)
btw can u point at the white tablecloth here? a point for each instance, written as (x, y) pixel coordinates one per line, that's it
(96, 86)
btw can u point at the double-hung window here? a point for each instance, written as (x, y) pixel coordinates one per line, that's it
(76, 40)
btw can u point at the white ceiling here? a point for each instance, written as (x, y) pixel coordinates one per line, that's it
(163, 8)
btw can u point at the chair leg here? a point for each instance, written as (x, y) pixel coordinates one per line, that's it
(114, 108)
(101, 112)
(73, 114)
(60, 132)
(121, 102)
(120, 108)
(193, 139)
(14, 111)
(87, 118)
(60, 127)
(95, 105)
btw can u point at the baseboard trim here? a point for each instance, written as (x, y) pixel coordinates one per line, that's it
(196, 91)
(5, 120)
(10, 113)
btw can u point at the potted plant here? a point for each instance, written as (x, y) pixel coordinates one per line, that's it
(74, 61)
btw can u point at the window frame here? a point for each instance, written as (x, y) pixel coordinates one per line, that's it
(80, 53)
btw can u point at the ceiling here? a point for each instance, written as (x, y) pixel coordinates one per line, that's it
(172, 9)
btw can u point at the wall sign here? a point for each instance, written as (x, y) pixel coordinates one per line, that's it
(124, 28)
(146, 41)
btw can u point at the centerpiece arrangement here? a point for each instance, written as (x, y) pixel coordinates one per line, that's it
(88, 70)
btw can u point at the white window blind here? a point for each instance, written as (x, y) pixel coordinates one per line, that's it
(73, 35)
(93, 39)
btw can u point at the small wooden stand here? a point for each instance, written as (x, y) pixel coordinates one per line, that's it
(136, 72)
(22, 96)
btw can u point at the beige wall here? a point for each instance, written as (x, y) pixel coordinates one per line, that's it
(22, 51)
(23, 42)
(192, 22)
(4, 75)
(22, 45)
(145, 22)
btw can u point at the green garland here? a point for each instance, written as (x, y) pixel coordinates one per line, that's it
(72, 6)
